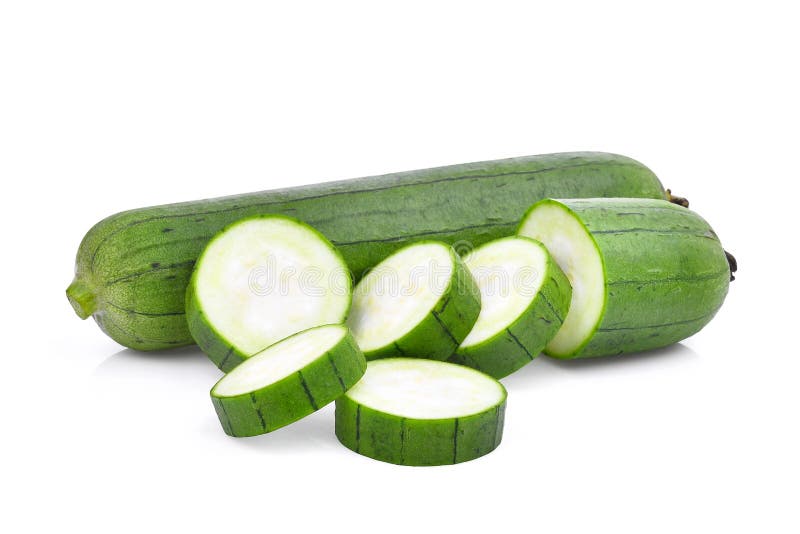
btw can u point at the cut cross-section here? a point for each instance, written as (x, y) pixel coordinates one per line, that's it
(261, 280)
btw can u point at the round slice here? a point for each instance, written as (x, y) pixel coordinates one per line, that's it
(260, 280)
(419, 302)
(287, 381)
(524, 299)
(410, 411)
(644, 273)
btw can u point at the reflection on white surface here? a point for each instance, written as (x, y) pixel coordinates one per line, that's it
(545, 368)
(188, 363)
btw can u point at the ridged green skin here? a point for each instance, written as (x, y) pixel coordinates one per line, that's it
(295, 396)
(417, 442)
(524, 339)
(220, 350)
(666, 273)
(132, 268)
(440, 333)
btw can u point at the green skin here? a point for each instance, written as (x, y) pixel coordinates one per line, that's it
(132, 268)
(295, 396)
(521, 341)
(406, 441)
(440, 333)
(224, 353)
(665, 270)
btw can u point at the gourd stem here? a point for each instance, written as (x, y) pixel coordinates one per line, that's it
(731, 264)
(680, 201)
(82, 298)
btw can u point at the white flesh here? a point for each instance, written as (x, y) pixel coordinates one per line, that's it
(575, 251)
(425, 389)
(265, 279)
(398, 293)
(279, 360)
(509, 273)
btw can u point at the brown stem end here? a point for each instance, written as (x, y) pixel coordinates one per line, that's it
(680, 201)
(731, 264)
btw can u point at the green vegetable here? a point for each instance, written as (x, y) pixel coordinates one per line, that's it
(132, 268)
(410, 411)
(644, 273)
(421, 302)
(287, 381)
(260, 280)
(524, 299)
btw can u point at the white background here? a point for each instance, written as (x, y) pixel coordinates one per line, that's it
(106, 106)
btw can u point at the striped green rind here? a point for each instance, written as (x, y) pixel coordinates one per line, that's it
(132, 268)
(417, 442)
(218, 349)
(666, 273)
(443, 329)
(521, 341)
(221, 350)
(296, 395)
